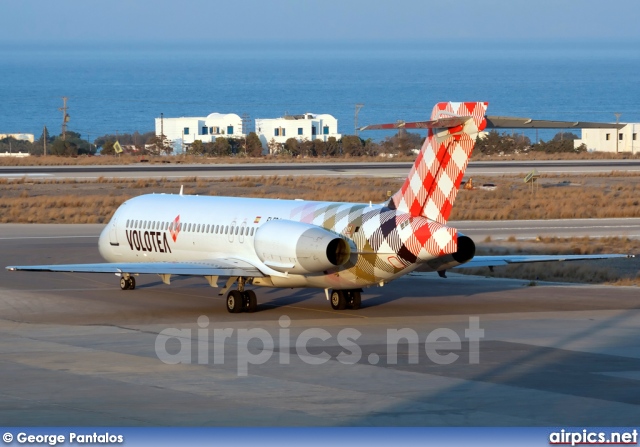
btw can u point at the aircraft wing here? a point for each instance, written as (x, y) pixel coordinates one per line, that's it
(213, 267)
(495, 261)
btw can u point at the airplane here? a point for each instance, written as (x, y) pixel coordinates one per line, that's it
(336, 246)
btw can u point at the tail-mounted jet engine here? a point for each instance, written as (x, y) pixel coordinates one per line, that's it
(465, 253)
(297, 247)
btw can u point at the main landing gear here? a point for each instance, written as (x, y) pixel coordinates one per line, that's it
(343, 299)
(127, 283)
(241, 300)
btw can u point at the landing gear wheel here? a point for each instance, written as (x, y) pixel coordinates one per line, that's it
(132, 283)
(338, 300)
(124, 283)
(234, 302)
(250, 301)
(356, 299)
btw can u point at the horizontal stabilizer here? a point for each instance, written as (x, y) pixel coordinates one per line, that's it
(442, 123)
(495, 122)
(506, 122)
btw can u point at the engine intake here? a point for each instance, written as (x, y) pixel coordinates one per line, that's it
(296, 247)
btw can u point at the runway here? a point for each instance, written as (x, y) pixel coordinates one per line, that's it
(76, 350)
(531, 229)
(476, 229)
(380, 169)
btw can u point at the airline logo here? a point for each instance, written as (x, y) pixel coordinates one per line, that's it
(175, 228)
(153, 241)
(257, 219)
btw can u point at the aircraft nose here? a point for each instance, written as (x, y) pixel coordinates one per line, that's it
(103, 242)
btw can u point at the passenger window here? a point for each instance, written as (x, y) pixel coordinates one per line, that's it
(251, 231)
(208, 228)
(236, 231)
(241, 231)
(226, 229)
(198, 229)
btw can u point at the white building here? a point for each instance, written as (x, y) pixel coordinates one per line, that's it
(15, 154)
(301, 127)
(18, 136)
(185, 130)
(606, 140)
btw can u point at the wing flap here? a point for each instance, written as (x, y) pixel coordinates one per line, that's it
(215, 267)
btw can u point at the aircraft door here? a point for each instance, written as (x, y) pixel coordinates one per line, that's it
(243, 229)
(113, 235)
(232, 228)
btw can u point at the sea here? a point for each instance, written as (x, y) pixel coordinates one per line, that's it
(122, 88)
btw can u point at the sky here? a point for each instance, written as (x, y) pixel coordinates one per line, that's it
(208, 21)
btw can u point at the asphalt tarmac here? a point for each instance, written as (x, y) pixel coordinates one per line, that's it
(378, 169)
(76, 350)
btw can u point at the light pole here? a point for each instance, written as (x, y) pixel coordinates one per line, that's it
(358, 107)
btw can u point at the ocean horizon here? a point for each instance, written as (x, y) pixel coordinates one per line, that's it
(123, 87)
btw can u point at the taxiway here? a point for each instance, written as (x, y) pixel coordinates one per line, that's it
(378, 169)
(76, 350)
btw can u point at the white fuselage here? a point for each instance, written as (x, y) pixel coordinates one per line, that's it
(145, 229)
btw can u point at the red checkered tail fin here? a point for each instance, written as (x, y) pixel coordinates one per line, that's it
(432, 185)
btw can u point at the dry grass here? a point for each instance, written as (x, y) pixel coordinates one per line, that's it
(535, 155)
(596, 196)
(184, 159)
(74, 201)
(581, 197)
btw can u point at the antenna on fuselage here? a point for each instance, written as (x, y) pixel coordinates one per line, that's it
(181, 189)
